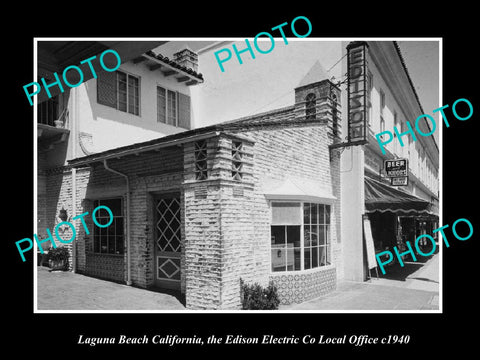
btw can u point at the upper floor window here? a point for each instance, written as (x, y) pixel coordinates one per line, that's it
(47, 111)
(120, 91)
(382, 125)
(173, 108)
(310, 111)
(396, 124)
(166, 106)
(382, 102)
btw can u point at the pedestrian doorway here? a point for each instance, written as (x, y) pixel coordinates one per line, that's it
(167, 241)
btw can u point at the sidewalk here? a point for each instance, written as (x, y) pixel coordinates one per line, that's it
(404, 290)
(69, 291)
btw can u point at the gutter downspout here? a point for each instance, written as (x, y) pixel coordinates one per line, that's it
(129, 279)
(73, 120)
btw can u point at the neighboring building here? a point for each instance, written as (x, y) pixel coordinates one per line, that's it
(397, 213)
(147, 97)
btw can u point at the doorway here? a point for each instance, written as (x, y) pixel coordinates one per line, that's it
(167, 241)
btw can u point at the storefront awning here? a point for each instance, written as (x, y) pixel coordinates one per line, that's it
(382, 197)
(298, 189)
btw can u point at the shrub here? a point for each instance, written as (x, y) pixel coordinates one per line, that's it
(59, 254)
(257, 297)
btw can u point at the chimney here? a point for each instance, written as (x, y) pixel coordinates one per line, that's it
(187, 58)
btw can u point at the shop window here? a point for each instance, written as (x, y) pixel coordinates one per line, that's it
(237, 157)
(300, 236)
(200, 151)
(110, 239)
(310, 111)
(120, 91)
(316, 235)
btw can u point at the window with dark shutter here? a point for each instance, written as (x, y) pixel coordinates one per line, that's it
(173, 108)
(107, 89)
(120, 91)
(184, 111)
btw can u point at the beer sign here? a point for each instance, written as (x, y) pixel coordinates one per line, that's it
(396, 167)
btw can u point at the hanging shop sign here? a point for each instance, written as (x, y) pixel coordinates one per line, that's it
(396, 168)
(399, 181)
(357, 92)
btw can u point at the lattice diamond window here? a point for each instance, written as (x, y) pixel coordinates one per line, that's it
(201, 172)
(168, 268)
(237, 160)
(168, 225)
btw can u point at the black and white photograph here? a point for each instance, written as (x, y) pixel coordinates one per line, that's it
(282, 181)
(267, 185)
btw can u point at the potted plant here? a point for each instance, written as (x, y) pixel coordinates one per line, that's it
(58, 258)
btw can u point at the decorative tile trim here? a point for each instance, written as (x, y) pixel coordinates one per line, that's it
(302, 286)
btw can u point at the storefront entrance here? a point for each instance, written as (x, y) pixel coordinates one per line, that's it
(167, 241)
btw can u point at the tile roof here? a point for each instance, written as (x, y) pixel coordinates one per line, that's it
(174, 64)
(278, 118)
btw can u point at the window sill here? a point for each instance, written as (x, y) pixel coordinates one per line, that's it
(305, 271)
(104, 254)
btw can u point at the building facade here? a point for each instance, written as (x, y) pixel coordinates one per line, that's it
(397, 213)
(108, 111)
(214, 205)
(200, 201)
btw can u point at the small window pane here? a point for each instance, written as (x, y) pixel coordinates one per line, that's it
(293, 236)
(111, 245)
(327, 214)
(306, 259)
(161, 105)
(279, 260)
(314, 235)
(103, 244)
(297, 254)
(119, 226)
(321, 235)
(306, 213)
(314, 257)
(323, 256)
(119, 244)
(314, 212)
(96, 245)
(307, 236)
(321, 214)
(278, 235)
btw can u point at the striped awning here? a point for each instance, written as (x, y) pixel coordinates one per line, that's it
(382, 197)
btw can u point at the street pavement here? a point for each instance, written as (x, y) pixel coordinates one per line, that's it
(412, 287)
(64, 290)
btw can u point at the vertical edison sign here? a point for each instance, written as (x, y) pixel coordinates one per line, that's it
(357, 92)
